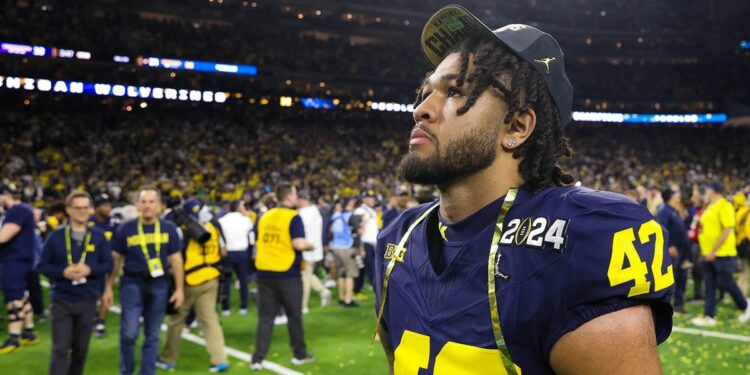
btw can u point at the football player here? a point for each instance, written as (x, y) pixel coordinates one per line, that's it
(512, 270)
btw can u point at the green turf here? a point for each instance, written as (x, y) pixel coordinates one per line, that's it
(339, 338)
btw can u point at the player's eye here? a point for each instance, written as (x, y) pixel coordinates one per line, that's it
(454, 92)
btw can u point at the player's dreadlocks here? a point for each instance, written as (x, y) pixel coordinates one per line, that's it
(547, 146)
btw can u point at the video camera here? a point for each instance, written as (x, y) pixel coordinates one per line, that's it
(191, 227)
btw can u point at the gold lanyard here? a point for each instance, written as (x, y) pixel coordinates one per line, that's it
(69, 250)
(157, 239)
(510, 197)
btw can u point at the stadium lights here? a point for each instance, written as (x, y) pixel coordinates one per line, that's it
(106, 89)
(745, 44)
(198, 66)
(153, 62)
(650, 118)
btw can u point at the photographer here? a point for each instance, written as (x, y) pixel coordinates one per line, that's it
(202, 254)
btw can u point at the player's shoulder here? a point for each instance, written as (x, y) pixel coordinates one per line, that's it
(402, 221)
(128, 226)
(95, 232)
(168, 225)
(584, 202)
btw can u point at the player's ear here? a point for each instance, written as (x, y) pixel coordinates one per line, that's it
(519, 130)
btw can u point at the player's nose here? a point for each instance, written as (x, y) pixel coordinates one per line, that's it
(425, 112)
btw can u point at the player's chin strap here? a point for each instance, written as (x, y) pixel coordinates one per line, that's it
(510, 198)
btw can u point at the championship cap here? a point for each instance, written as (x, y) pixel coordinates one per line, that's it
(452, 24)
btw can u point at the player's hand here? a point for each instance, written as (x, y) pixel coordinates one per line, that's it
(177, 298)
(108, 298)
(84, 269)
(72, 272)
(673, 251)
(710, 257)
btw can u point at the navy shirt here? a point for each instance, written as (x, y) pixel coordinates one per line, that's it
(389, 215)
(563, 261)
(675, 226)
(126, 242)
(108, 226)
(297, 230)
(55, 260)
(21, 246)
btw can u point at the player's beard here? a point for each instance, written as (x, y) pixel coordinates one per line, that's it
(468, 154)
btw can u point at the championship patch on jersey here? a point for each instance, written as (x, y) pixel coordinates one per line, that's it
(537, 233)
(391, 252)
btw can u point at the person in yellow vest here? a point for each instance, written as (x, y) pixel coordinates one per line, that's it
(280, 239)
(201, 291)
(717, 243)
(742, 205)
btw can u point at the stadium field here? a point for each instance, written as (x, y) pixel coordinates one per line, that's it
(340, 337)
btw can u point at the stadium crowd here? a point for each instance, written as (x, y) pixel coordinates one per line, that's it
(251, 161)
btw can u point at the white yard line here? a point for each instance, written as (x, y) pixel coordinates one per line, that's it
(232, 352)
(702, 332)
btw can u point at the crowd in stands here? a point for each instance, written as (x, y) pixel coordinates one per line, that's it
(226, 153)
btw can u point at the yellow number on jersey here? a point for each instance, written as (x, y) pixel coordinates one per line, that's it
(623, 247)
(413, 353)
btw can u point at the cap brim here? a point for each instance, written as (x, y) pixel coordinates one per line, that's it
(447, 28)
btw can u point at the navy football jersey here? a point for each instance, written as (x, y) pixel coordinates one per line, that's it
(567, 255)
(108, 226)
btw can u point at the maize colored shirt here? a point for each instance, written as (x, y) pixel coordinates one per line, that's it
(276, 257)
(55, 260)
(127, 243)
(715, 218)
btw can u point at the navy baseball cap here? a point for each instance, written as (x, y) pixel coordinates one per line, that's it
(8, 188)
(717, 186)
(101, 199)
(192, 206)
(452, 24)
(369, 193)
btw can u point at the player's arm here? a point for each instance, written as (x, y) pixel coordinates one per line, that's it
(108, 295)
(175, 263)
(385, 340)
(8, 231)
(621, 342)
(297, 231)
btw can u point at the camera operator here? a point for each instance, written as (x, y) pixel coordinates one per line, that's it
(202, 253)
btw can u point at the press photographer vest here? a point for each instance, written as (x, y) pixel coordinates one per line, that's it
(275, 252)
(200, 260)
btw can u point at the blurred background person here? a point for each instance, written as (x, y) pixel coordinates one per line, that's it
(146, 248)
(76, 259)
(17, 242)
(717, 242)
(281, 239)
(237, 228)
(203, 251)
(313, 223)
(674, 224)
(103, 220)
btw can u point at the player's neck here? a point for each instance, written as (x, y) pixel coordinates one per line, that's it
(78, 227)
(470, 194)
(99, 217)
(148, 220)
